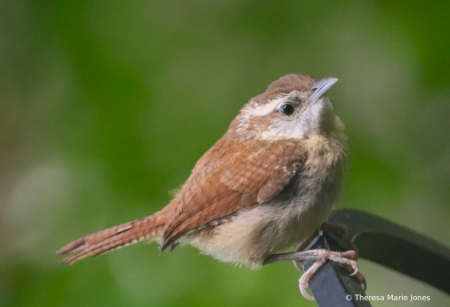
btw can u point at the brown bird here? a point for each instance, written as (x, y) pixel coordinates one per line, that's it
(266, 185)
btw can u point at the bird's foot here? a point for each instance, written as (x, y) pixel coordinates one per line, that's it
(321, 256)
(340, 232)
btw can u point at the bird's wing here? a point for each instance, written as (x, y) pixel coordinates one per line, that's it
(224, 182)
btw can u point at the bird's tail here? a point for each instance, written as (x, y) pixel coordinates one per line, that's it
(113, 238)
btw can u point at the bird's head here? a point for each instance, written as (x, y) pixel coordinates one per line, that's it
(294, 106)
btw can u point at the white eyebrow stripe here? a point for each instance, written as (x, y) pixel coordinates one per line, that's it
(267, 108)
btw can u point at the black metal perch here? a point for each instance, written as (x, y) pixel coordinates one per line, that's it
(380, 241)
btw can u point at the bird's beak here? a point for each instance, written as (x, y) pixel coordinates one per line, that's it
(320, 88)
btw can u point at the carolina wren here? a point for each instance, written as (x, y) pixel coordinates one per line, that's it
(266, 185)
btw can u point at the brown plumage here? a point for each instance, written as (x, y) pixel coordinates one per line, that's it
(112, 238)
(250, 167)
(245, 181)
(227, 181)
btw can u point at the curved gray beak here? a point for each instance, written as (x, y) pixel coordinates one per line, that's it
(320, 88)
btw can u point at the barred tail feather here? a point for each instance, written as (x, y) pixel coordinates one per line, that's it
(113, 238)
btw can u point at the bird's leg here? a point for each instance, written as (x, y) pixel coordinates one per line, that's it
(302, 247)
(345, 258)
(321, 256)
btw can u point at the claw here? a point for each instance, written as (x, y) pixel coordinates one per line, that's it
(305, 293)
(362, 280)
(354, 272)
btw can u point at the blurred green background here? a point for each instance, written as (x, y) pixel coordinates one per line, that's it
(107, 105)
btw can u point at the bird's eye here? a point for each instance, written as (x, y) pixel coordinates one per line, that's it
(287, 109)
